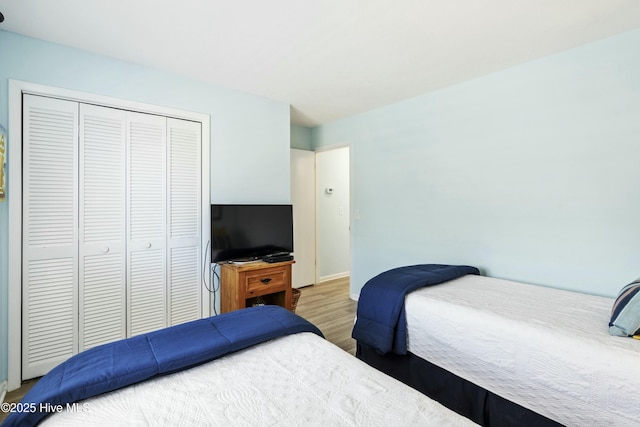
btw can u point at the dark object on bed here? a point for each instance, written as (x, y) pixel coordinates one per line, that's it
(381, 321)
(462, 396)
(119, 364)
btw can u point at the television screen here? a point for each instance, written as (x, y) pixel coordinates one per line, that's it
(249, 232)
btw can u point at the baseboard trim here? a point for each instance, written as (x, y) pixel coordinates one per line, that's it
(334, 276)
(3, 390)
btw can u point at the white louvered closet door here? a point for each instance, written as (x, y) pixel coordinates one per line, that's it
(183, 246)
(146, 223)
(102, 240)
(50, 233)
(111, 227)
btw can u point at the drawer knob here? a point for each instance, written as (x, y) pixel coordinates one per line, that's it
(266, 280)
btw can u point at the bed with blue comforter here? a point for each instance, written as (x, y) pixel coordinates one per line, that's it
(503, 352)
(122, 363)
(381, 319)
(256, 366)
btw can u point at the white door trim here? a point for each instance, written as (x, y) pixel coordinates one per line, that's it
(14, 195)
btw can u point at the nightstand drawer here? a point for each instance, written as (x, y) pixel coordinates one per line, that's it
(266, 281)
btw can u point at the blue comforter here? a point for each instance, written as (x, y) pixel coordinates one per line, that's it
(381, 321)
(122, 363)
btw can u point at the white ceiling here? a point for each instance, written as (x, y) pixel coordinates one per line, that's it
(328, 59)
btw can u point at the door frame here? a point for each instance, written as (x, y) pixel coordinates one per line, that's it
(14, 196)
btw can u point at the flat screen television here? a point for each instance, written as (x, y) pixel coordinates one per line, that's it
(250, 232)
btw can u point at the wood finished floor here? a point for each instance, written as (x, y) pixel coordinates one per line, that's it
(326, 305)
(329, 307)
(16, 396)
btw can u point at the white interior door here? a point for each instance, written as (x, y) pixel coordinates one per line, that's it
(50, 234)
(184, 195)
(146, 223)
(304, 217)
(102, 242)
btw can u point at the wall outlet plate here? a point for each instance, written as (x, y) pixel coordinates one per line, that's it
(3, 390)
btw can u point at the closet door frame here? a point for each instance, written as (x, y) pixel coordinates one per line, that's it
(14, 196)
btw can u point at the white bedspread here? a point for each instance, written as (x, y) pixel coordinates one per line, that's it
(545, 349)
(295, 380)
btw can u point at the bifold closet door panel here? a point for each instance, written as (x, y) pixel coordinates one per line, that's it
(50, 233)
(146, 223)
(184, 211)
(102, 242)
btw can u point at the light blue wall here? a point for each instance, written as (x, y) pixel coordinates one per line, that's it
(530, 174)
(249, 134)
(300, 137)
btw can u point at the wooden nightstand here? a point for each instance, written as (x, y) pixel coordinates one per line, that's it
(245, 284)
